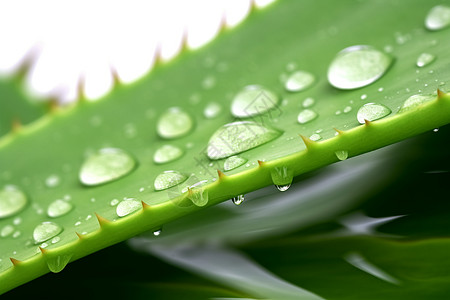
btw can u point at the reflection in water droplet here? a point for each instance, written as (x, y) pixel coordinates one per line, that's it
(174, 123)
(237, 137)
(157, 232)
(233, 162)
(282, 178)
(306, 116)
(299, 81)
(238, 199)
(212, 110)
(45, 231)
(425, 59)
(12, 200)
(308, 102)
(253, 100)
(415, 101)
(58, 208)
(372, 112)
(198, 196)
(438, 18)
(6, 230)
(128, 206)
(58, 263)
(357, 66)
(168, 179)
(167, 153)
(341, 154)
(106, 165)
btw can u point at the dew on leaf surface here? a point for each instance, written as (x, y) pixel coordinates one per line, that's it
(59, 208)
(438, 17)
(45, 231)
(167, 153)
(415, 101)
(372, 112)
(12, 200)
(212, 110)
(233, 162)
(127, 207)
(168, 179)
(425, 59)
(253, 100)
(306, 116)
(174, 123)
(299, 81)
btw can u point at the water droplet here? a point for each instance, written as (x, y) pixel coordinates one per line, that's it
(198, 196)
(233, 162)
(282, 178)
(357, 66)
(363, 97)
(299, 81)
(212, 110)
(78, 223)
(308, 102)
(436, 130)
(12, 200)
(253, 100)
(415, 101)
(315, 137)
(174, 123)
(237, 137)
(209, 82)
(114, 202)
(425, 59)
(106, 165)
(341, 154)
(45, 231)
(347, 109)
(130, 130)
(168, 179)
(380, 89)
(238, 199)
(16, 234)
(157, 232)
(6, 230)
(372, 112)
(17, 220)
(52, 181)
(438, 18)
(306, 116)
(167, 153)
(127, 207)
(58, 263)
(58, 208)
(55, 239)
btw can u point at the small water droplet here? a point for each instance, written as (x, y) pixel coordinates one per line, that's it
(114, 202)
(78, 223)
(306, 115)
(282, 178)
(45, 231)
(212, 110)
(157, 232)
(209, 82)
(12, 200)
(308, 102)
(58, 208)
(17, 220)
(363, 97)
(16, 234)
(357, 66)
(106, 165)
(315, 137)
(372, 112)
(347, 109)
(380, 89)
(167, 153)
(55, 239)
(44, 245)
(6, 230)
(233, 162)
(415, 101)
(341, 154)
(238, 199)
(174, 123)
(58, 263)
(52, 181)
(237, 137)
(299, 81)
(438, 18)
(436, 130)
(425, 59)
(168, 179)
(127, 207)
(253, 100)
(338, 112)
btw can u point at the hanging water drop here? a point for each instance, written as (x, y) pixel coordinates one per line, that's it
(299, 81)
(12, 200)
(238, 200)
(58, 208)
(237, 137)
(233, 162)
(198, 196)
(253, 100)
(174, 123)
(45, 231)
(372, 112)
(306, 115)
(167, 153)
(168, 179)
(106, 165)
(58, 263)
(212, 110)
(157, 232)
(415, 101)
(128, 206)
(425, 59)
(358, 66)
(341, 154)
(438, 18)
(282, 178)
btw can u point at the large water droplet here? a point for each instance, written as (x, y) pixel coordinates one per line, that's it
(415, 101)
(282, 178)
(237, 137)
(168, 179)
(6, 230)
(357, 66)
(233, 162)
(12, 200)
(128, 206)
(306, 116)
(167, 153)
(58, 263)
(253, 100)
(106, 165)
(212, 110)
(45, 231)
(299, 81)
(238, 199)
(58, 208)
(425, 59)
(174, 123)
(438, 18)
(341, 154)
(372, 112)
